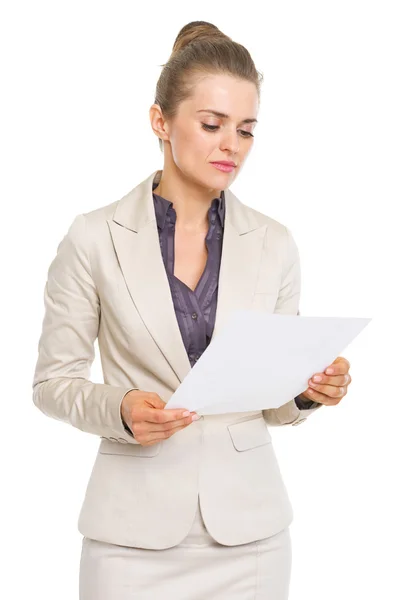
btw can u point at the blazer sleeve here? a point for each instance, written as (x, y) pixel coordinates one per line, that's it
(296, 410)
(61, 386)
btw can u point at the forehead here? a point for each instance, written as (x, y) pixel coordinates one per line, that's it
(223, 93)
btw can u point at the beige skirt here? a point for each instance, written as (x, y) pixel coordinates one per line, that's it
(197, 569)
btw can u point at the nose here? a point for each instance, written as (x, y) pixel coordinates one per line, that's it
(230, 142)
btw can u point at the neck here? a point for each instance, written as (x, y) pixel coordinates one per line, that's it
(191, 201)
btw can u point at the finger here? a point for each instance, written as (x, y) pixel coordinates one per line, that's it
(340, 366)
(332, 391)
(344, 361)
(316, 397)
(320, 398)
(144, 428)
(323, 379)
(156, 427)
(157, 415)
(159, 436)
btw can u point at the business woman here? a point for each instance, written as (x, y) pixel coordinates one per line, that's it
(177, 507)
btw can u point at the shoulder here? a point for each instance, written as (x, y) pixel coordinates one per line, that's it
(89, 229)
(263, 219)
(278, 237)
(98, 216)
(95, 222)
(250, 218)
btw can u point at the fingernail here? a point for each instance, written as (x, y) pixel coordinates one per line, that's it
(329, 371)
(317, 378)
(195, 417)
(186, 413)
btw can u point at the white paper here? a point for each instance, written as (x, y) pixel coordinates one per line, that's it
(262, 360)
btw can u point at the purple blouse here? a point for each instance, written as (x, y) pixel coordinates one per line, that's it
(195, 310)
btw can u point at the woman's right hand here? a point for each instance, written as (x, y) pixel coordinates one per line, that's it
(144, 414)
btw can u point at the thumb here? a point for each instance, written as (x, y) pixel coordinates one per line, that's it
(156, 402)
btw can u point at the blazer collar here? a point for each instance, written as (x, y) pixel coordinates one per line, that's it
(162, 206)
(136, 209)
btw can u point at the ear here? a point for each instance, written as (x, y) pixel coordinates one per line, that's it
(158, 123)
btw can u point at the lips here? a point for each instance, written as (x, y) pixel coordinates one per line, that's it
(227, 163)
(225, 168)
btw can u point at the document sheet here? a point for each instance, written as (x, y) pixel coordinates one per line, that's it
(261, 360)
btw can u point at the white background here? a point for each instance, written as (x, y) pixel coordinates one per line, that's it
(78, 79)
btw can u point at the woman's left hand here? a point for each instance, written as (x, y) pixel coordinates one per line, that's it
(332, 386)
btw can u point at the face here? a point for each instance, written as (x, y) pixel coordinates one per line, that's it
(194, 139)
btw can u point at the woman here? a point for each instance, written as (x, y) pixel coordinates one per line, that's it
(177, 506)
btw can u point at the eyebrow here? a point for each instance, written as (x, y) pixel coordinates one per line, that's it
(224, 116)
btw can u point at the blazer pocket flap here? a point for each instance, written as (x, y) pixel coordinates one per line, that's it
(109, 447)
(249, 434)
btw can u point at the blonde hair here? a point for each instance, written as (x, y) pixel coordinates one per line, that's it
(200, 48)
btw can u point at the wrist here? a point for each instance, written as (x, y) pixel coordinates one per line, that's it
(125, 408)
(304, 403)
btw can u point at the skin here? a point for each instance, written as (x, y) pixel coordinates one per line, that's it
(191, 182)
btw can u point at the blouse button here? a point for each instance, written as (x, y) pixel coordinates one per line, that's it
(194, 316)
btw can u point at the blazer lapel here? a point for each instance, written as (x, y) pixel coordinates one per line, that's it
(135, 237)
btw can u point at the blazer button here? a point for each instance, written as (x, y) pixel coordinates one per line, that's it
(122, 441)
(113, 439)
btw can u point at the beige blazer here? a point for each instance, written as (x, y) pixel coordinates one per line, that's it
(108, 281)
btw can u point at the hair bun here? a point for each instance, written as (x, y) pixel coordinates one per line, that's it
(196, 30)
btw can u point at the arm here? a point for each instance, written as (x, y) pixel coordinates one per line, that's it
(298, 409)
(61, 386)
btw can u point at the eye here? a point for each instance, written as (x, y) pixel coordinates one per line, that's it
(215, 127)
